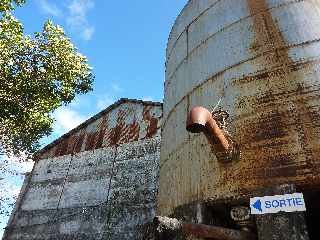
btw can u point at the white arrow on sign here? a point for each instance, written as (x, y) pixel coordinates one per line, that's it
(274, 204)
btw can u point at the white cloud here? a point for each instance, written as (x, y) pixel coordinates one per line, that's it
(12, 172)
(77, 18)
(49, 8)
(9, 189)
(105, 101)
(76, 102)
(111, 95)
(10, 186)
(87, 33)
(147, 98)
(26, 166)
(66, 119)
(115, 87)
(14, 166)
(80, 7)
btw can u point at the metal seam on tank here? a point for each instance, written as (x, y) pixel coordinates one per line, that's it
(199, 45)
(270, 28)
(267, 37)
(225, 27)
(233, 66)
(300, 73)
(184, 142)
(192, 21)
(259, 55)
(175, 23)
(180, 146)
(250, 78)
(202, 42)
(187, 36)
(276, 37)
(289, 95)
(187, 26)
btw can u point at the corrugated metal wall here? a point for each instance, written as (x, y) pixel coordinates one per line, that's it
(125, 121)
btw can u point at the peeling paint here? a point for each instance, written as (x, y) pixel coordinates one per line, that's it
(259, 59)
(126, 121)
(99, 182)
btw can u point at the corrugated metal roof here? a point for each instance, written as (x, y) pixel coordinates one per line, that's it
(94, 118)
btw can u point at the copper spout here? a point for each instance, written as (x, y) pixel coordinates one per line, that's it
(199, 120)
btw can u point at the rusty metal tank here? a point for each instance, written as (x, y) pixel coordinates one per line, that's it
(258, 60)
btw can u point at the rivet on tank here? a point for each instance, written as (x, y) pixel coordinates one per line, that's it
(242, 76)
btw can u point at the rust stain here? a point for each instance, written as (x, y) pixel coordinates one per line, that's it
(62, 148)
(122, 132)
(128, 127)
(79, 143)
(134, 129)
(153, 122)
(268, 37)
(267, 136)
(90, 141)
(102, 127)
(72, 140)
(278, 121)
(306, 131)
(114, 135)
(269, 128)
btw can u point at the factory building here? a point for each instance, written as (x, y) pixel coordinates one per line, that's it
(99, 181)
(241, 119)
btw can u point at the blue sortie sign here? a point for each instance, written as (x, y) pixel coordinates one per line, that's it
(274, 204)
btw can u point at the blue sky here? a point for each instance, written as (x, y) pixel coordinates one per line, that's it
(125, 43)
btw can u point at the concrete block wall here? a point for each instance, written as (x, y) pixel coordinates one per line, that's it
(107, 193)
(102, 193)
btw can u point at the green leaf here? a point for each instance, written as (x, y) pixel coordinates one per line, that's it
(37, 75)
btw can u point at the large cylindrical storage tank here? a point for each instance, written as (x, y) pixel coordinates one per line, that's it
(259, 61)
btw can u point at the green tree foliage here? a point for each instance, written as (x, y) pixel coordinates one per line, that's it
(37, 75)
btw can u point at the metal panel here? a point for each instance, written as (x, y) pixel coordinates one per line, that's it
(129, 121)
(215, 20)
(259, 59)
(190, 13)
(179, 53)
(88, 193)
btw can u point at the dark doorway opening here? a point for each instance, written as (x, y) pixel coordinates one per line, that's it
(312, 199)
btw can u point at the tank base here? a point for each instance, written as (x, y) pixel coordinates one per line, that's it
(281, 226)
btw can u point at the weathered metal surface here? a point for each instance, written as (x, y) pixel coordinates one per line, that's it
(281, 226)
(125, 121)
(98, 181)
(259, 61)
(108, 193)
(170, 229)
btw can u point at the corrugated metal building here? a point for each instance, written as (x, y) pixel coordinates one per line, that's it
(255, 61)
(99, 181)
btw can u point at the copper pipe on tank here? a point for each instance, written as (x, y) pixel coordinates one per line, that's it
(169, 228)
(201, 119)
